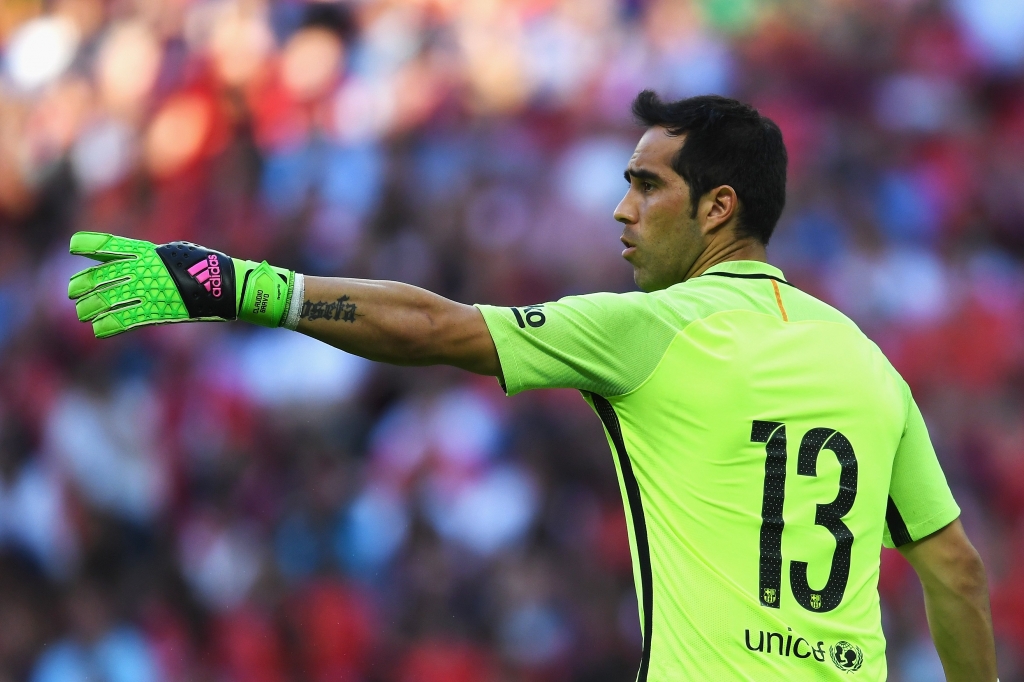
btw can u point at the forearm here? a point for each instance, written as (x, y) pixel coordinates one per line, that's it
(961, 626)
(396, 323)
(956, 600)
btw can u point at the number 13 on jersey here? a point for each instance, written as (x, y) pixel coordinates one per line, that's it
(773, 435)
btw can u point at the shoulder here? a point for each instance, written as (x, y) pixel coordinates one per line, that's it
(632, 300)
(804, 306)
(639, 312)
(701, 297)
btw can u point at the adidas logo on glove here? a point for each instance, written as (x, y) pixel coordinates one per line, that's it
(207, 273)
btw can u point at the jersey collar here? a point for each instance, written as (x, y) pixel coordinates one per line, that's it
(746, 269)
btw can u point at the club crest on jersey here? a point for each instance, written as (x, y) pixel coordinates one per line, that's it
(770, 595)
(815, 601)
(847, 657)
(207, 273)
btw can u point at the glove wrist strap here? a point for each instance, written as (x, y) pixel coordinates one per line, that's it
(262, 292)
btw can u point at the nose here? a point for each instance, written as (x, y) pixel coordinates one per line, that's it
(625, 212)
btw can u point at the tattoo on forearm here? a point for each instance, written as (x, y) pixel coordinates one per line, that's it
(341, 310)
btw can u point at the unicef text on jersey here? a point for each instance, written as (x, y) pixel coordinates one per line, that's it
(844, 655)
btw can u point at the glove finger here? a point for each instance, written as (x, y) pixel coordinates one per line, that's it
(137, 314)
(108, 325)
(96, 278)
(99, 302)
(107, 247)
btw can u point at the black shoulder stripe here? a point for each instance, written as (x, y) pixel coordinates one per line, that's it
(897, 526)
(636, 508)
(753, 276)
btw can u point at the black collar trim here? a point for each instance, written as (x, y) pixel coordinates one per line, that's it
(751, 276)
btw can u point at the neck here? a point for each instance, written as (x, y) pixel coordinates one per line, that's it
(744, 249)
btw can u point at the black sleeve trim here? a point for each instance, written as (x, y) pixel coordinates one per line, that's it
(752, 276)
(636, 508)
(897, 526)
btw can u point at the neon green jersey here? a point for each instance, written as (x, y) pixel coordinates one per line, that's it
(765, 450)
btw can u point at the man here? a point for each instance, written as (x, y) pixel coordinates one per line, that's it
(764, 446)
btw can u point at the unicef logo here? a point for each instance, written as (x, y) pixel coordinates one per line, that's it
(847, 657)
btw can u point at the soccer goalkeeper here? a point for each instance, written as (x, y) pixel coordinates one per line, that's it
(765, 448)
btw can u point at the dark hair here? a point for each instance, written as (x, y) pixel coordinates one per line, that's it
(727, 143)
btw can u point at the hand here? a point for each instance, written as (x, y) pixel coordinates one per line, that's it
(138, 283)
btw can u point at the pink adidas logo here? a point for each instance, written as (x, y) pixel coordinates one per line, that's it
(207, 273)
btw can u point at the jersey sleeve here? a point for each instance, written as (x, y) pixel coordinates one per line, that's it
(920, 501)
(603, 343)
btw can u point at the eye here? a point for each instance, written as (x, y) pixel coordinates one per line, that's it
(647, 187)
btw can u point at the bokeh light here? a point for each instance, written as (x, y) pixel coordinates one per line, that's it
(240, 41)
(127, 65)
(310, 63)
(40, 51)
(178, 133)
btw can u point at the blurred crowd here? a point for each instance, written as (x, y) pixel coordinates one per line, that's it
(230, 504)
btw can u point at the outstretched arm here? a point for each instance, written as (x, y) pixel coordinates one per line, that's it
(138, 283)
(956, 600)
(396, 323)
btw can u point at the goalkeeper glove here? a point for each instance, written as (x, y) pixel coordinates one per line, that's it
(138, 283)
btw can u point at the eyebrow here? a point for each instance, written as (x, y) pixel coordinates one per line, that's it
(641, 174)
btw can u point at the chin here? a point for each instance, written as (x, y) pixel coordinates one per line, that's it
(642, 281)
(647, 283)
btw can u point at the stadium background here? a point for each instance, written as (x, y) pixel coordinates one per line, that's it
(227, 503)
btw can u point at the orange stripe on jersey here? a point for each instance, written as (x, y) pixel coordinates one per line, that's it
(778, 299)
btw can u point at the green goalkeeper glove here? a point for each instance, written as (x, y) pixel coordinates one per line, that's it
(138, 283)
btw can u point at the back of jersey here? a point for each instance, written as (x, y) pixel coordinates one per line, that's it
(758, 453)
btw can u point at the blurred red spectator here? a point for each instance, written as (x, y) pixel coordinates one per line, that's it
(247, 646)
(447, 661)
(335, 628)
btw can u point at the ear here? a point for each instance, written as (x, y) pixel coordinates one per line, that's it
(718, 208)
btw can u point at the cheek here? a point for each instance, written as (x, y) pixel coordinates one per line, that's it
(655, 220)
(665, 221)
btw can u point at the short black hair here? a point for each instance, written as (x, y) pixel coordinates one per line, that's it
(727, 143)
